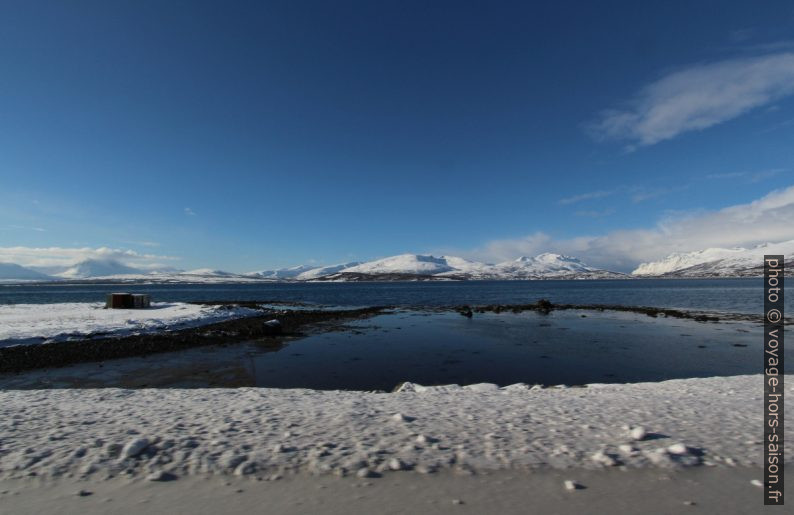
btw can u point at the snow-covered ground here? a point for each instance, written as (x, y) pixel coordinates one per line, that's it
(38, 323)
(252, 431)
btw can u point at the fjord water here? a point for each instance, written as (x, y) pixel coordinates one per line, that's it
(721, 295)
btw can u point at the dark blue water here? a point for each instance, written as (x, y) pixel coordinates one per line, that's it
(559, 348)
(723, 295)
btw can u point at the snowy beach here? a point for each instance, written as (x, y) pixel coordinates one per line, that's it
(264, 432)
(109, 450)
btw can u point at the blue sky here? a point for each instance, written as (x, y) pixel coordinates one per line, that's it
(250, 135)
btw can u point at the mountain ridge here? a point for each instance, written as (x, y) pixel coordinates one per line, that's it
(402, 267)
(14, 272)
(717, 262)
(706, 263)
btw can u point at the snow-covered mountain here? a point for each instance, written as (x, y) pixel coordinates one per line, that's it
(314, 273)
(682, 260)
(283, 273)
(550, 266)
(202, 276)
(209, 272)
(13, 272)
(716, 262)
(97, 268)
(403, 266)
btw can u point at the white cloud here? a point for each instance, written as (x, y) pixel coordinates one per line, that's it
(768, 219)
(595, 213)
(67, 256)
(728, 175)
(22, 228)
(743, 34)
(142, 243)
(642, 194)
(585, 196)
(698, 97)
(757, 176)
(189, 212)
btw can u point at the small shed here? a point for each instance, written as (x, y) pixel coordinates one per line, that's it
(127, 301)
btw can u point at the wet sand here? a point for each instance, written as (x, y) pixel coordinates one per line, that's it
(617, 492)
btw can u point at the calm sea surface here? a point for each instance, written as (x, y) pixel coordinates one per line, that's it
(723, 295)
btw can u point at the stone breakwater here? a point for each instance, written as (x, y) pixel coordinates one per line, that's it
(265, 433)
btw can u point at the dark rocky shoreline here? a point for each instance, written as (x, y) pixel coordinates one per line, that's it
(545, 306)
(292, 323)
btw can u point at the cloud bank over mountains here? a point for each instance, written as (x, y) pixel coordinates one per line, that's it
(60, 257)
(768, 219)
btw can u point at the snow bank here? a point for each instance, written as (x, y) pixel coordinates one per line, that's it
(261, 432)
(39, 323)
